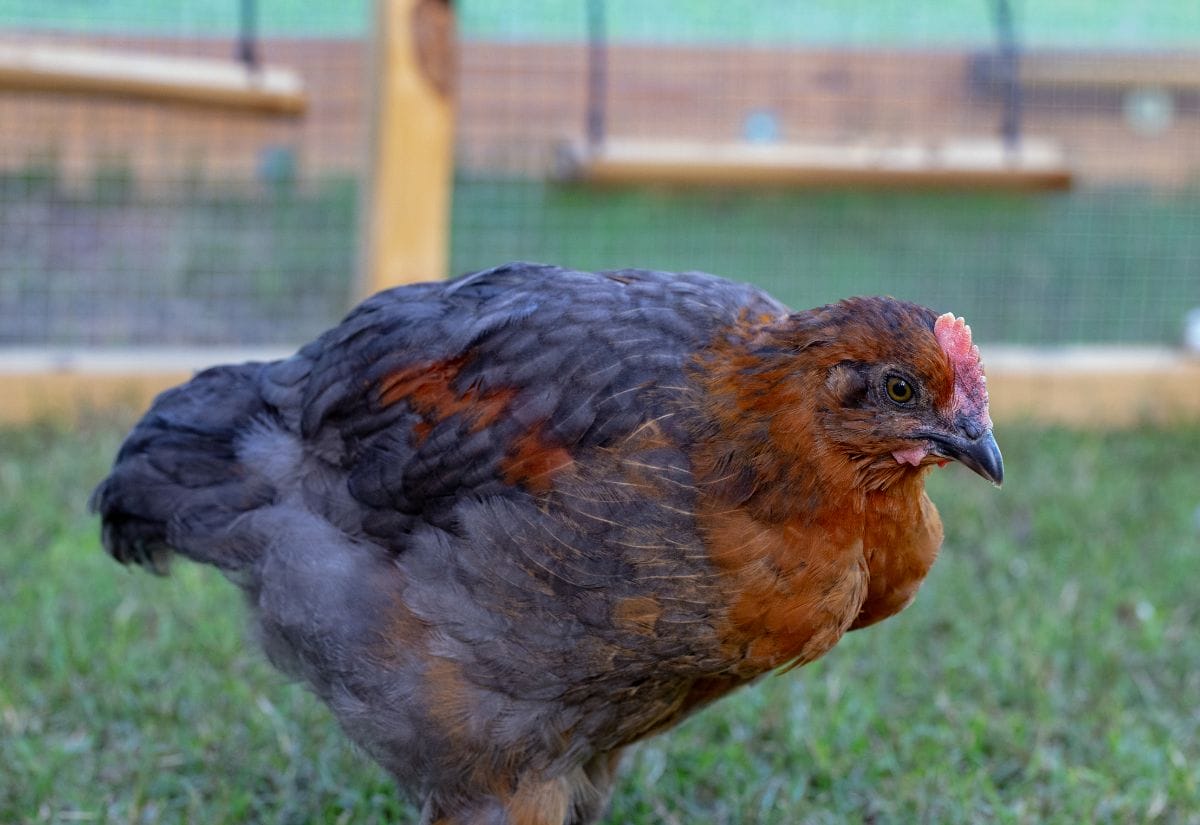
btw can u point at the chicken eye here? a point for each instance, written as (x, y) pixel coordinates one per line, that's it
(899, 390)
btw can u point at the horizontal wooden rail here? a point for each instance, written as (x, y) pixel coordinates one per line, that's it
(1093, 386)
(1083, 387)
(964, 163)
(167, 78)
(1111, 70)
(69, 384)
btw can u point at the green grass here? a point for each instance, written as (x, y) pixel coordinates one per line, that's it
(1048, 672)
(1118, 23)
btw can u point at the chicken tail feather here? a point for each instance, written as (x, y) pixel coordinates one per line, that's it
(177, 483)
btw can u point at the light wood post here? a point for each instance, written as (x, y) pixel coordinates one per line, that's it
(407, 213)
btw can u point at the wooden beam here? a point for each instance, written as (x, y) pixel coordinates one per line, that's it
(67, 385)
(412, 146)
(185, 80)
(1115, 70)
(963, 163)
(1091, 387)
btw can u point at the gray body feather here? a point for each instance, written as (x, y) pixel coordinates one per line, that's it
(394, 500)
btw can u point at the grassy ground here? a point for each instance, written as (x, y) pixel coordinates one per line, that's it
(1047, 673)
(1117, 23)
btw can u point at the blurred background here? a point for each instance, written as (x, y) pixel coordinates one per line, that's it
(1034, 166)
(184, 182)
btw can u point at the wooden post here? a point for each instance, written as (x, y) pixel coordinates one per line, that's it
(407, 211)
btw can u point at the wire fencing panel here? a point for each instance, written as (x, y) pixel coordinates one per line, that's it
(1113, 88)
(141, 222)
(130, 221)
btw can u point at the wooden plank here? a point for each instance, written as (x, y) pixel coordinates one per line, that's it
(412, 145)
(190, 80)
(1092, 387)
(38, 384)
(964, 163)
(71, 396)
(1114, 70)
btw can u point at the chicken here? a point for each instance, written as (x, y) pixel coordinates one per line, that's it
(507, 525)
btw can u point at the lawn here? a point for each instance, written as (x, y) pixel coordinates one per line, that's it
(1049, 671)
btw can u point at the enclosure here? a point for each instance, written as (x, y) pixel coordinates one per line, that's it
(197, 181)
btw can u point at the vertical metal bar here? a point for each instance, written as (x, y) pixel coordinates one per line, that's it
(597, 72)
(248, 34)
(1009, 66)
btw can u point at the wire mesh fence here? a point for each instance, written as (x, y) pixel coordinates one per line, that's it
(1112, 92)
(143, 222)
(128, 220)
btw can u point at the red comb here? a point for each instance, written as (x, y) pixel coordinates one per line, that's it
(970, 385)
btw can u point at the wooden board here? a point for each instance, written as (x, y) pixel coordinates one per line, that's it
(188, 80)
(1134, 70)
(962, 163)
(1093, 387)
(68, 385)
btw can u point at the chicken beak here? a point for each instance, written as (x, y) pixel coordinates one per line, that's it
(981, 454)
